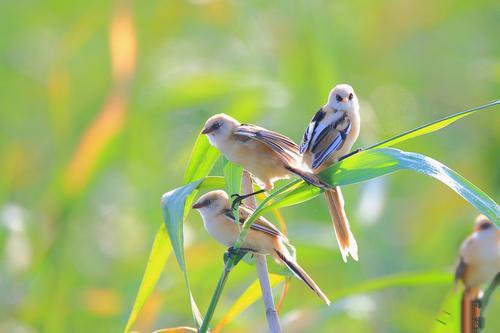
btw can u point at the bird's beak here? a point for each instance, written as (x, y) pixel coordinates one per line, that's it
(344, 100)
(207, 130)
(198, 205)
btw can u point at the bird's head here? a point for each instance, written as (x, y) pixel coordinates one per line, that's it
(219, 127)
(212, 202)
(343, 98)
(482, 223)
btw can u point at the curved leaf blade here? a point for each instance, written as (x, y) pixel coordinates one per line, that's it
(298, 193)
(448, 316)
(249, 296)
(232, 177)
(431, 127)
(157, 259)
(176, 205)
(374, 163)
(202, 160)
(173, 204)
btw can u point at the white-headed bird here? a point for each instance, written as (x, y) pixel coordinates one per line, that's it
(478, 264)
(328, 138)
(263, 237)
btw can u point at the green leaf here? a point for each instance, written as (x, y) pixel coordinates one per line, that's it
(373, 163)
(176, 205)
(250, 296)
(202, 160)
(157, 258)
(299, 192)
(448, 315)
(431, 127)
(232, 177)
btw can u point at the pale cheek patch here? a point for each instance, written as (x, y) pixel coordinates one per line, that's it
(211, 139)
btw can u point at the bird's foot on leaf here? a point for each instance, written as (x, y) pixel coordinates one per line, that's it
(237, 201)
(350, 154)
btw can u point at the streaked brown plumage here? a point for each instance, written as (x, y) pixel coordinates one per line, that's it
(267, 155)
(263, 237)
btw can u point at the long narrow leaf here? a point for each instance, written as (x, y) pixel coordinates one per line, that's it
(232, 177)
(448, 316)
(202, 160)
(374, 163)
(157, 258)
(250, 296)
(296, 194)
(431, 127)
(176, 205)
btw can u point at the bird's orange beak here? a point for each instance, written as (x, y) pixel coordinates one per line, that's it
(344, 100)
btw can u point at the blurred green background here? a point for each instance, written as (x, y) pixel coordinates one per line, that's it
(100, 104)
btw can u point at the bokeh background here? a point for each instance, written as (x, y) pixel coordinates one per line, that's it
(100, 104)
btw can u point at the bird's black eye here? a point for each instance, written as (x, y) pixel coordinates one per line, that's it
(217, 125)
(338, 98)
(351, 96)
(485, 225)
(208, 202)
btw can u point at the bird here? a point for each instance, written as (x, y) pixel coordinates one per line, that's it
(327, 139)
(262, 238)
(479, 263)
(267, 155)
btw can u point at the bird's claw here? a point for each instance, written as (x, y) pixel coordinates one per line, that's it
(237, 201)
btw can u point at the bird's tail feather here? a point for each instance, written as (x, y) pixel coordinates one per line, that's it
(301, 274)
(345, 238)
(308, 177)
(469, 313)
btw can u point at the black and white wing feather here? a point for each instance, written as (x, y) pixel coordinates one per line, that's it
(325, 135)
(308, 134)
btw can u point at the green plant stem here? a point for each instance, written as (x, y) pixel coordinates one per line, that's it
(261, 266)
(215, 299)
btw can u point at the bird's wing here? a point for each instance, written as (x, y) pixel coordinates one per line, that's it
(328, 137)
(459, 271)
(280, 144)
(260, 224)
(308, 134)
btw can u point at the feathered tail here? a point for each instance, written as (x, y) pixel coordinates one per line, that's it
(301, 274)
(470, 311)
(345, 238)
(335, 200)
